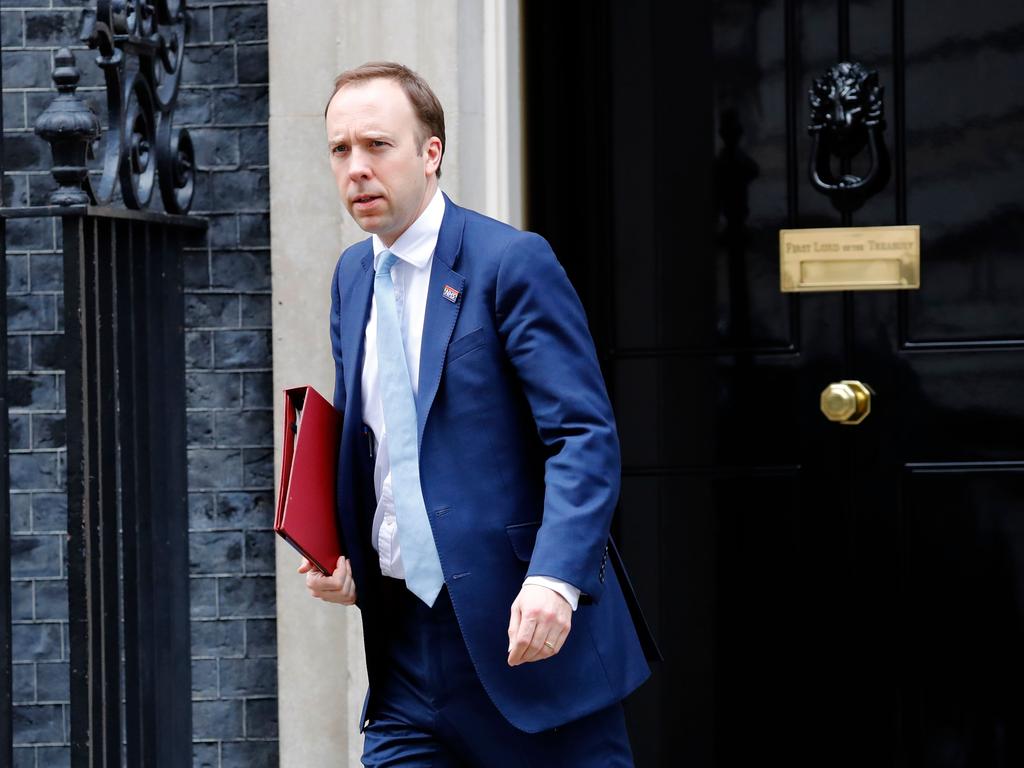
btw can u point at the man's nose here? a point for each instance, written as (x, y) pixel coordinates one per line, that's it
(358, 165)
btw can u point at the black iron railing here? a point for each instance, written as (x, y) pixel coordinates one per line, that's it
(128, 589)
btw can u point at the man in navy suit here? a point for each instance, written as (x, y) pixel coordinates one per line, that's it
(521, 652)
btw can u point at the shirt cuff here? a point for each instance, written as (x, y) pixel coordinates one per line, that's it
(568, 591)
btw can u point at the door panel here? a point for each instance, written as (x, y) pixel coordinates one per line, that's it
(823, 594)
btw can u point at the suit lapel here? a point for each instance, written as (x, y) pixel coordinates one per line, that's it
(441, 311)
(355, 315)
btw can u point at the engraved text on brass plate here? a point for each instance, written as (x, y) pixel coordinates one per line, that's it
(850, 258)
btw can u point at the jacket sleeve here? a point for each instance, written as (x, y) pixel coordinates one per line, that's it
(544, 330)
(339, 370)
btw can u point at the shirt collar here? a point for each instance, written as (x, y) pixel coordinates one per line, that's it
(416, 244)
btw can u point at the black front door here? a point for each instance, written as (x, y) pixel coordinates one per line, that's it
(824, 594)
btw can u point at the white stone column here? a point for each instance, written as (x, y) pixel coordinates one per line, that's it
(468, 50)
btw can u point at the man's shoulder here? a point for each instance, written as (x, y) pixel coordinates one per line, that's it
(351, 258)
(489, 238)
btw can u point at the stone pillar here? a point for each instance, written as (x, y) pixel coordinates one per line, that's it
(468, 50)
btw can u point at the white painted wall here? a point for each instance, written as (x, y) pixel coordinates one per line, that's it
(469, 51)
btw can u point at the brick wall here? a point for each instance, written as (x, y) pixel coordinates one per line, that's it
(224, 104)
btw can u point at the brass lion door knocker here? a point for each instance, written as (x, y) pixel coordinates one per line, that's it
(847, 116)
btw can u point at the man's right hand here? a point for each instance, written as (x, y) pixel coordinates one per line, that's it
(336, 588)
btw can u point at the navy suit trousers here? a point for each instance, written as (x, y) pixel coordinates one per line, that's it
(428, 707)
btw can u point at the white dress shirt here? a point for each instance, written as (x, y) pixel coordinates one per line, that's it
(411, 277)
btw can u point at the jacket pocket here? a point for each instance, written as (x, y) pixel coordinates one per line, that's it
(465, 344)
(522, 537)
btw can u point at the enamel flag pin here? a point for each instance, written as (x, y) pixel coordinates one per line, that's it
(451, 294)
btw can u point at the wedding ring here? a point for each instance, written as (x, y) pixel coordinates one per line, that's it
(549, 645)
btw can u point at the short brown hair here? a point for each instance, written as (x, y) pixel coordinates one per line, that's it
(424, 103)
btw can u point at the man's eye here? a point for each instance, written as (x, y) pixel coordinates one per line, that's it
(378, 143)
(340, 148)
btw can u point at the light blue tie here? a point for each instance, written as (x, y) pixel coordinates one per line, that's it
(423, 575)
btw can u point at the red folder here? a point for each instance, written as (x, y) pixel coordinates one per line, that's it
(306, 516)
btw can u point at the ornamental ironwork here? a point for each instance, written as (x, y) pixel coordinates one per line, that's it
(847, 116)
(141, 49)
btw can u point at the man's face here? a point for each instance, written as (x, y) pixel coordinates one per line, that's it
(372, 135)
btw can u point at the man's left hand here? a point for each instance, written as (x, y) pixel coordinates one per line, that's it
(539, 624)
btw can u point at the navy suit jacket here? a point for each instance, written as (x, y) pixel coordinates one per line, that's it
(519, 462)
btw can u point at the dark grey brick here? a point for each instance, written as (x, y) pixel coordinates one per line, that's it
(256, 310)
(34, 470)
(257, 390)
(21, 600)
(197, 270)
(215, 552)
(240, 23)
(18, 431)
(23, 683)
(247, 596)
(48, 352)
(35, 555)
(259, 467)
(35, 723)
(252, 428)
(261, 636)
(242, 349)
(36, 642)
(48, 431)
(15, 184)
(198, 350)
(210, 64)
(224, 231)
(35, 391)
(205, 755)
(228, 187)
(254, 230)
(17, 353)
(24, 757)
(49, 512)
(212, 390)
(194, 107)
(31, 313)
(211, 310)
(217, 719)
(12, 26)
(248, 677)
(21, 512)
(55, 28)
(52, 599)
(249, 754)
(261, 718)
(199, 428)
(259, 552)
(200, 24)
(24, 234)
(239, 509)
(253, 63)
(241, 271)
(244, 105)
(203, 597)
(27, 68)
(204, 679)
(214, 468)
(17, 271)
(52, 682)
(222, 638)
(215, 146)
(25, 151)
(55, 757)
(14, 118)
(47, 272)
(252, 146)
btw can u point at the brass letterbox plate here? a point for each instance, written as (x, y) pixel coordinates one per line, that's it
(850, 258)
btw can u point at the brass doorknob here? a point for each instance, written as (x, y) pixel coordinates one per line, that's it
(847, 402)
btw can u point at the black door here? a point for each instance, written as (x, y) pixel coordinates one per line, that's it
(824, 594)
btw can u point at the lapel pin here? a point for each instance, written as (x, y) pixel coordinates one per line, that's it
(451, 294)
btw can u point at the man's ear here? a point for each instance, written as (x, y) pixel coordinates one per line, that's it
(433, 151)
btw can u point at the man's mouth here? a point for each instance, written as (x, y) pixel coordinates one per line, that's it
(365, 201)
